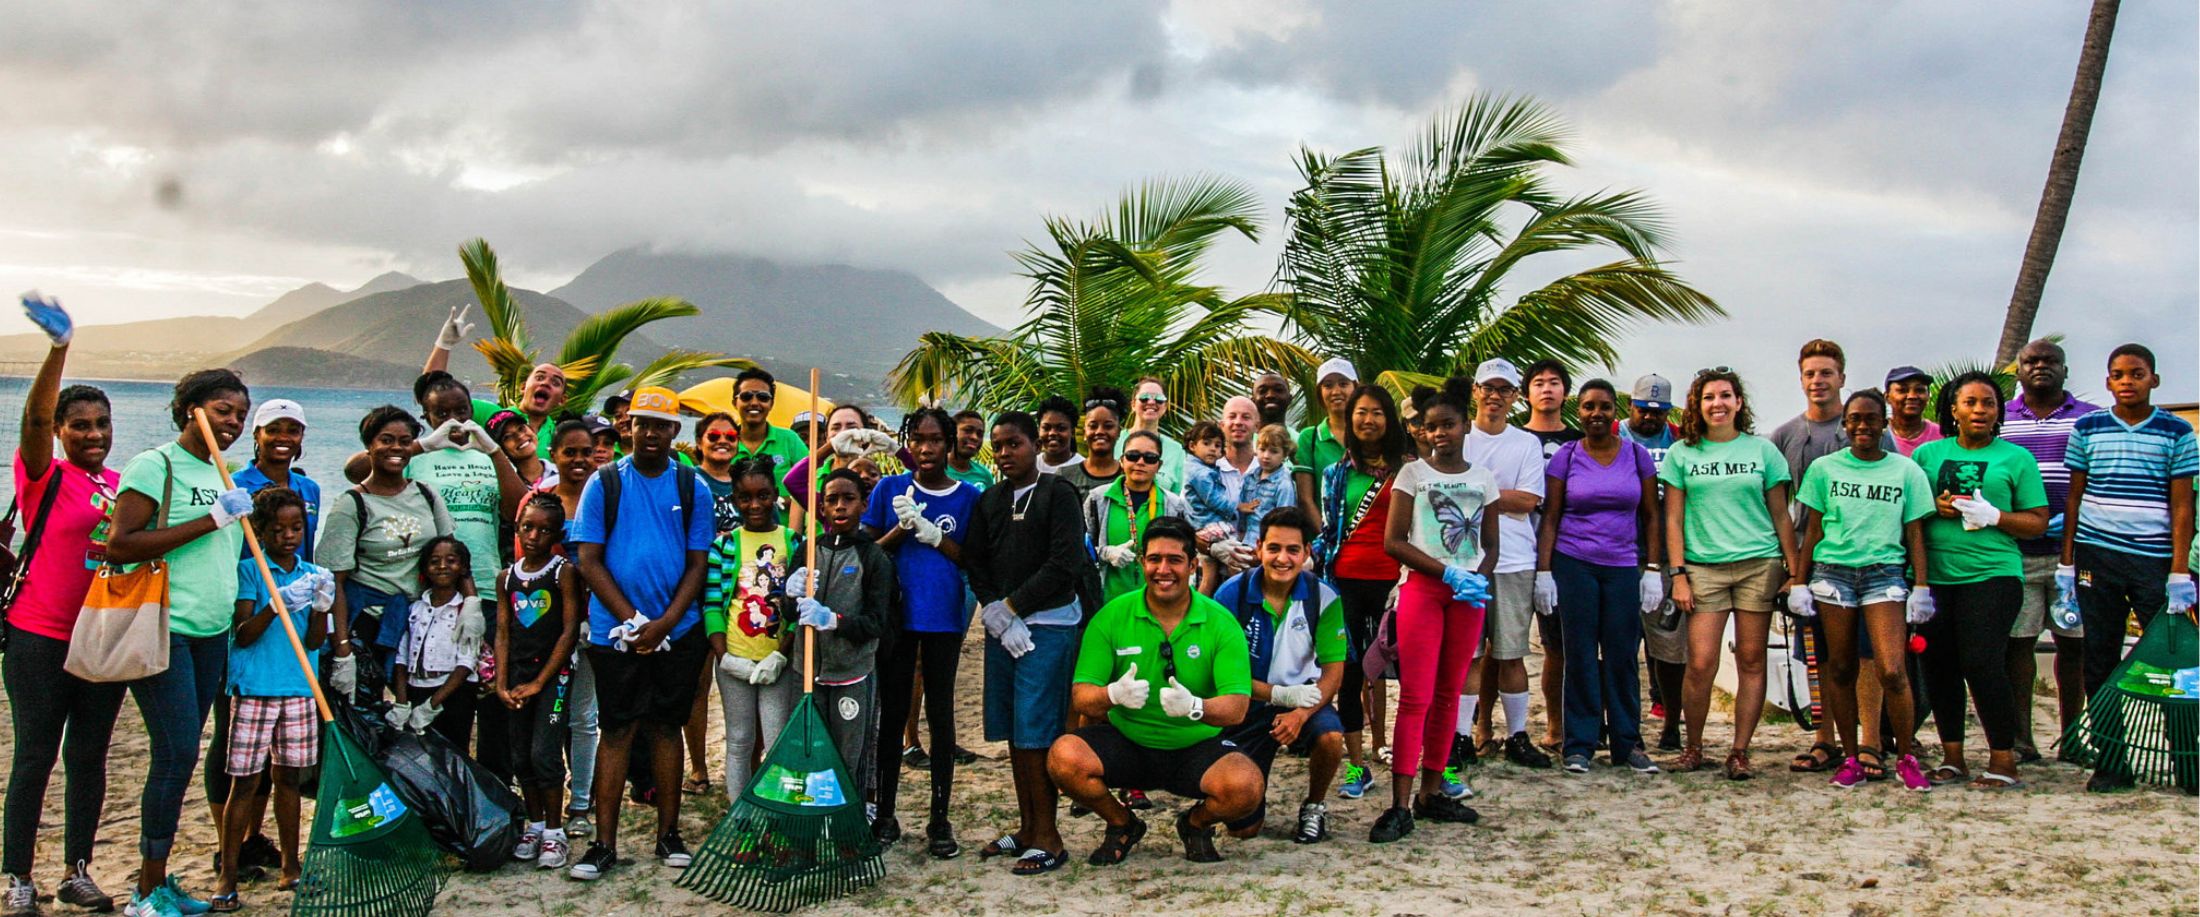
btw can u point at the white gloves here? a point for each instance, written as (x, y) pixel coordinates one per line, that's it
(324, 591)
(1921, 607)
(798, 582)
(628, 631)
(768, 668)
(298, 595)
(1118, 555)
(1177, 700)
(455, 329)
(813, 613)
(1233, 554)
(399, 717)
(1546, 592)
(478, 439)
(859, 443)
(343, 675)
(1977, 513)
(1017, 639)
(423, 716)
(1213, 532)
(438, 438)
(1223, 549)
(737, 667)
(1800, 604)
(1295, 695)
(1651, 593)
(911, 516)
(926, 532)
(1130, 691)
(233, 504)
(996, 618)
(472, 627)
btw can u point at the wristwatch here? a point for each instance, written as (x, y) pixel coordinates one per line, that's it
(1680, 569)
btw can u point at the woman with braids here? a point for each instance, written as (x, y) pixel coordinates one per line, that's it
(1101, 427)
(1355, 511)
(1118, 513)
(64, 504)
(174, 508)
(920, 517)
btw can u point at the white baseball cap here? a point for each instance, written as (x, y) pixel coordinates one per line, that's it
(275, 409)
(1496, 368)
(1336, 366)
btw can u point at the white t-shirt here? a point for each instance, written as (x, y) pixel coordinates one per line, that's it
(1447, 510)
(1233, 477)
(1514, 459)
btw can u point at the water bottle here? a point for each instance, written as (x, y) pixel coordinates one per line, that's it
(2064, 613)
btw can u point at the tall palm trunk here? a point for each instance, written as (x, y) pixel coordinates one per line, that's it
(2062, 183)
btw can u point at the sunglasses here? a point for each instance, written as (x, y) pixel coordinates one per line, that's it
(755, 396)
(1168, 660)
(1142, 457)
(1153, 399)
(1714, 371)
(715, 436)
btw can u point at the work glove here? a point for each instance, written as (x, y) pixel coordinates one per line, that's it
(1651, 593)
(768, 669)
(472, 627)
(324, 591)
(1130, 691)
(1017, 639)
(1466, 585)
(848, 443)
(477, 439)
(1977, 513)
(2180, 593)
(1295, 695)
(798, 582)
(1179, 701)
(625, 633)
(297, 595)
(1213, 532)
(455, 328)
(343, 675)
(1546, 592)
(1800, 604)
(234, 504)
(46, 312)
(906, 510)
(399, 717)
(996, 617)
(439, 438)
(813, 613)
(423, 716)
(1921, 607)
(737, 667)
(2054, 527)
(926, 532)
(1118, 555)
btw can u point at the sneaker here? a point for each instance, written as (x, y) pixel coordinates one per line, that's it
(158, 904)
(529, 846)
(1657, 711)
(1382, 755)
(1455, 784)
(1577, 764)
(1313, 823)
(22, 898)
(965, 756)
(1640, 763)
(79, 889)
(914, 758)
(577, 824)
(1850, 775)
(1912, 774)
(1669, 740)
(1395, 823)
(1136, 801)
(598, 860)
(1462, 752)
(1521, 750)
(1357, 780)
(886, 829)
(182, 900)
(554, 851)
(673, 852)
(1445, 809)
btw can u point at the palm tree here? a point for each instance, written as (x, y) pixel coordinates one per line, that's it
(1112, 301)
(589, 354)
(2062, 183)
(1401, 266)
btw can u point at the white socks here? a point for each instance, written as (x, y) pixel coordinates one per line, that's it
(1516, 712)
(1468, 704)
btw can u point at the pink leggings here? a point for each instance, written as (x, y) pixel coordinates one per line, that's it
(1437, 637)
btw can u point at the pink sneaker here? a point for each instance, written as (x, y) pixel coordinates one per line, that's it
(1850, 775)
(1912, 774)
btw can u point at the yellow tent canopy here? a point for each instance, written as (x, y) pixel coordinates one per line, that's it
(716, 395)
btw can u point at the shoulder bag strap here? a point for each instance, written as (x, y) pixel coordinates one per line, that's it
(31, 539)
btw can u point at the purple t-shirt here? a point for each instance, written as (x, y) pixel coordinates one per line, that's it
(1600, 522)
(2047, 438)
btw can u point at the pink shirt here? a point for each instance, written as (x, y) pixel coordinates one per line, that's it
(70, 548)
(1906, 446)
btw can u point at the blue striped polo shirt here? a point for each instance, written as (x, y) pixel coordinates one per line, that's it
(2128, 469)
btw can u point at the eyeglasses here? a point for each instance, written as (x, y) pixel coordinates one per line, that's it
(755, 396)
(717, 437)
(1142, 457)
(1153, 399)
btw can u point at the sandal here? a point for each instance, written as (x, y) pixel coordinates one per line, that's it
(1007, 846)
(1116, 846)
(694, 787)
(1820, 756)
(225, 904)
(1988, 780)
(1690, 760)
(1873, 762)
(1737, 765)
(1949, 774)
(1199, 843)
(1035, 862)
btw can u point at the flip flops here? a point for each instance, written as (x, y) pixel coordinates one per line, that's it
(1007, 846)
(1947, 774)
(1036, 862)
(1988, 780)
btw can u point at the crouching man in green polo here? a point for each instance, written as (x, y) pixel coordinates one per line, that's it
(1163, 671)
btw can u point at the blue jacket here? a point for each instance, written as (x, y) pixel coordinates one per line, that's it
(1272, 491)
(1203, 490)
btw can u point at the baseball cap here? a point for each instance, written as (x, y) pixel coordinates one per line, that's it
(1906, 373)
(656, 402)
(1497, 368)
(275, 409)
(1336, 366)
(599, 425)
(1653, 392)
(802, 417)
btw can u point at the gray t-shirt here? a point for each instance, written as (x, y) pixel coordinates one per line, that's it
(383, 550)
(1802, 441)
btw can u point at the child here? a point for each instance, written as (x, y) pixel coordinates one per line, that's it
(1213, 516)
(434, 675)
(1271, 487)
(539, 607)
(274, 723)
(854, 596)
(743, 573)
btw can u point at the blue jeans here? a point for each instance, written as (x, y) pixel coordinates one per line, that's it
(174, 705)
(1603, 631)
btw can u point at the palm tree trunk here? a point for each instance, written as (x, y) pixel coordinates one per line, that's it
(2062, 183)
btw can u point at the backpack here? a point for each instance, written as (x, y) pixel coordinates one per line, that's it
(359, 504)
(607, 478)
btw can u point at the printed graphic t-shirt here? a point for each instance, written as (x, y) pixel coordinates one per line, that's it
(1725, 485)
(202, 574)
(467, 482)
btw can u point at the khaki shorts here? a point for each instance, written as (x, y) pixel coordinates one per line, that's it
(1744, 585)
(2039, 593)
(1512, 614)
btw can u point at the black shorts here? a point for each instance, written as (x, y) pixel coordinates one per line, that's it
(648, 687)
(1127, 765)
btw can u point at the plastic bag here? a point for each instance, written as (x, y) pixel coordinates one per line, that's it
(466, 809)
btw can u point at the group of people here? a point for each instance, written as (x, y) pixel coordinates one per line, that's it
(555, 591)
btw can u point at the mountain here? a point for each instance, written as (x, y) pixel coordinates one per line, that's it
(315, 297)
(190, 340)
(857, 322)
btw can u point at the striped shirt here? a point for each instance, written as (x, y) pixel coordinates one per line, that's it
(2045, 437)
(2127, 474)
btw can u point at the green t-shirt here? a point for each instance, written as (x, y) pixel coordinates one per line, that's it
(978, 476)
(202, 575)
(1207, 653)
(467, 482)
(783, 446)
(1318, 449)
(382, 551)
(1865, 505)
(1725, 485)
(2008, 476)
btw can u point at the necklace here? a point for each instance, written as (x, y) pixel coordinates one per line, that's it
(1019, 505)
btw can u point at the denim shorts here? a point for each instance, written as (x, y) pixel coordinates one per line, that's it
(1856, 587)
(1027, 699)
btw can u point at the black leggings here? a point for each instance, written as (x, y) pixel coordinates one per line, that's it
(1363, 601)
(56, 715)
(1966, 644)
(940, 654)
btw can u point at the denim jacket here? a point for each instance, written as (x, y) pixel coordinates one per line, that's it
(1210, 503)
(1272, 490)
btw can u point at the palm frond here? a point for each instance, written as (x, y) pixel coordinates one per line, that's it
(667, 369)
(513, 357)
(600, 335)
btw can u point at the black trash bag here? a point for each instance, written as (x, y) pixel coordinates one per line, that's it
(466, 809)
(364, 726)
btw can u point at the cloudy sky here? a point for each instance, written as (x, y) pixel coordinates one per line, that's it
(1866, 172)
